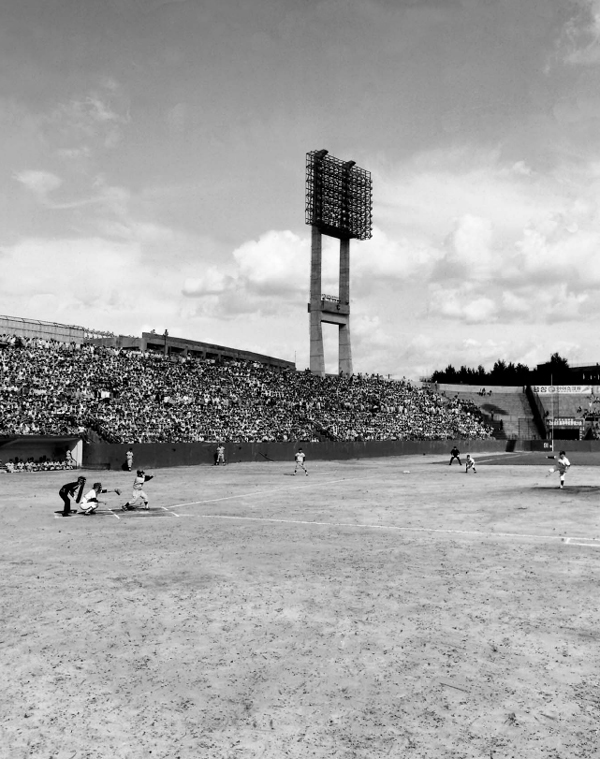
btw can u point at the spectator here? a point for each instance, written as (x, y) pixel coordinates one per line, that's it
(52, 388)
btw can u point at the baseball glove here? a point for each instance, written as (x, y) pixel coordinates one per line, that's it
(117, 491)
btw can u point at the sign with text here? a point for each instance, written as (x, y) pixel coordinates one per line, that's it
(563, 389)
(565, 421)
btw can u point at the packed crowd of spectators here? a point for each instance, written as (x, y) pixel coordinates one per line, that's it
(53, 388)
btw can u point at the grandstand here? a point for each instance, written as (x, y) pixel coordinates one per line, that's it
(571, 413)
(133, 396)
(506, 409)
(159, 389)
(537, 412)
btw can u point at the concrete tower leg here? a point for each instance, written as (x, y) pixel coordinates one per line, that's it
(345, 349)
(317, 354)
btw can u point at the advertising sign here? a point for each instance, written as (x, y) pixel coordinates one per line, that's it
(565, 421)
(562, 389)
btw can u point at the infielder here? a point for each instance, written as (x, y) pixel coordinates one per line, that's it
(470, 464)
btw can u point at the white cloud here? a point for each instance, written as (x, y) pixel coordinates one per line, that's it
(426, 195)
(90, 123)
(212, 282)
(262, 276)
(520, 167)
(468, 251)
(275, 264)
(98, 110)
(581, 36)
(463, 304)
(89, 281)
(515, 304)
(383, 259)
(74, 154)
(40, 183)
(504, 244)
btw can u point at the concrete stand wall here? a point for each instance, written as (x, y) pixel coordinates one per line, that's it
(156, 455)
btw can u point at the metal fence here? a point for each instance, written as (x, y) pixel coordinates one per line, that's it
(65, 333)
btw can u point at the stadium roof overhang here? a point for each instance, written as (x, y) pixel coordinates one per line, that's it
(16, 439)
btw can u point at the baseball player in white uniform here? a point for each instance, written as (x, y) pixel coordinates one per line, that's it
(299, 457)
(89, 502)
(138, 492)
(562, 465)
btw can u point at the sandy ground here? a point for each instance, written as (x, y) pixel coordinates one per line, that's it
(381, 608)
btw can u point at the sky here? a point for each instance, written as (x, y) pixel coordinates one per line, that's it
(152, 158)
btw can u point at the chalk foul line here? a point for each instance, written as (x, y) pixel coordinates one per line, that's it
(592, 542)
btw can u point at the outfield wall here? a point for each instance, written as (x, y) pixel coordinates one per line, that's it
(157, 455)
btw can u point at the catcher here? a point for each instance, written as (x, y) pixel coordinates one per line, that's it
(89, 502)
(68, 491)
(138, 492)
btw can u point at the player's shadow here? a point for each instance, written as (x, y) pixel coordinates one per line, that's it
(492, 408)
(574, 489)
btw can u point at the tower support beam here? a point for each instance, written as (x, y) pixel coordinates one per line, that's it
(345, 350)
(329, 309)
(317, 354)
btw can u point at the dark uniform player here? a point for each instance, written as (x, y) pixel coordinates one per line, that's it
(68, 491)
(455, 454)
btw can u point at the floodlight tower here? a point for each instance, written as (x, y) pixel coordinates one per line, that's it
(338, 204)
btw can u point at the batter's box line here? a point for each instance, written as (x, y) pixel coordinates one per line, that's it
(99, 512)
(563, 538)
(588, 542)
(153, 513)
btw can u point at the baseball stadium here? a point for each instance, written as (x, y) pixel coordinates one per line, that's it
(209, 553)
(382, 604)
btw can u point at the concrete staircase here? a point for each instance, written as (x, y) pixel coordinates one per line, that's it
(506, 409)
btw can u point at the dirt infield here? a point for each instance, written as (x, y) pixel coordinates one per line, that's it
(376, 608)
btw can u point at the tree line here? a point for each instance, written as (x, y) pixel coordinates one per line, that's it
(556, 370)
